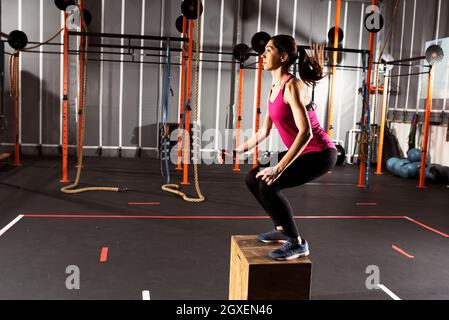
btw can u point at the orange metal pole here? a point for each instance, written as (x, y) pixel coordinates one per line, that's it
(181, 95)
(425, 142)
(239, 118)
(382, 125)
(368, 88)
(257, 112)
(80, 82)
(187, 120)
(65, 105)
(16, 111)
(330, 116)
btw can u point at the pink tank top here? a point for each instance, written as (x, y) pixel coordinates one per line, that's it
(282, 116)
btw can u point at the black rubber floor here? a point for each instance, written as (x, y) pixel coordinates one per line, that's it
(180, 250)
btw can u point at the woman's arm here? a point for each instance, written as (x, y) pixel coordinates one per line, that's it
(258, 137)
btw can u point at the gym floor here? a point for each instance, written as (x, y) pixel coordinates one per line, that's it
(147, 240)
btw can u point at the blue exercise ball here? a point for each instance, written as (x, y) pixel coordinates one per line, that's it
(390, 163)
(414, 155)
(397, 166)
(409, 170)
(418, 166)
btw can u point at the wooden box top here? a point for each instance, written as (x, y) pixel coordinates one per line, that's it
(256, 252)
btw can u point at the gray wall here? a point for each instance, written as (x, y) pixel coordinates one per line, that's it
(120, 111)
(423, 26)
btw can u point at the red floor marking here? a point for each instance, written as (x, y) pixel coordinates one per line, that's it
(402, 251)
(366, 203)
(199, 217)
(104, 254)
(349, 217)
(142, 203)
(427, 227)
(139, 217)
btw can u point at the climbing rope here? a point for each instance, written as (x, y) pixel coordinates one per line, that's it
(173, 188)
(72, 189)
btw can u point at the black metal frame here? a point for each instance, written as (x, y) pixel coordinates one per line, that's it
(131, 49)
(406, 60)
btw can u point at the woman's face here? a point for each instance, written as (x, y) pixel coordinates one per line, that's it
(272, 59)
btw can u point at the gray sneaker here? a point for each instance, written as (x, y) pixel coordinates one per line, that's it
(272, 236)
(291, 249)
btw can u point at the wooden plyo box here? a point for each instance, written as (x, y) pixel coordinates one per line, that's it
(255, 276)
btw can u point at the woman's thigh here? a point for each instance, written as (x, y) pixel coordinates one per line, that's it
(306, 168)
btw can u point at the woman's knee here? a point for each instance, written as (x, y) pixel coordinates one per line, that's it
(251, 180)
(264, 188)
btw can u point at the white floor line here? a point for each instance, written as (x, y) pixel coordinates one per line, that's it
(146, 295)
(9, 225)
(388, 291)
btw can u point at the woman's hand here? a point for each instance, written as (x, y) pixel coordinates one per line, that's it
(270, 174)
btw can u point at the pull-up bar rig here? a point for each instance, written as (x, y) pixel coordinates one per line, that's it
(131, 48)
(127, 37)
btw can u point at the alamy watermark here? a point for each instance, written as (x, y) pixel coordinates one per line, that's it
(72, 282)
(374, 21)
(73, 21)
(373, 280)
(212, 143)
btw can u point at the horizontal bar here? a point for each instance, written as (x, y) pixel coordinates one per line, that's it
(76, 52)
(74, 146)
(126, 36)
(407, 74)
(131, 61)
(339, 49)
(406, 60)
(405, 65)
(201, 51)
(343, 66)
(117, 46)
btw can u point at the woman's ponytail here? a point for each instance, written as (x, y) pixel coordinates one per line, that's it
(311, 68)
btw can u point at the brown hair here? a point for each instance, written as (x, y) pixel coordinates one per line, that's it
(310, 68)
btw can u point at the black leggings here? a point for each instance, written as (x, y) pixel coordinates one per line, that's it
(304, 169)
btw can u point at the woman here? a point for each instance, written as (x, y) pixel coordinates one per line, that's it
(310, 152)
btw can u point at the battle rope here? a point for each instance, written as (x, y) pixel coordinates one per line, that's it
(71, 189)
(173, 188)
